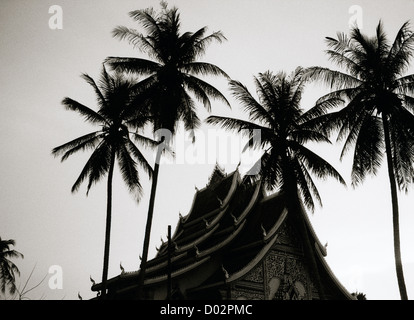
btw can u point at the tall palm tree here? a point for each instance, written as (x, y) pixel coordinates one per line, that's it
(111, 142)
(286, 164)
(169, 79)
(378, 111)
(8, 269)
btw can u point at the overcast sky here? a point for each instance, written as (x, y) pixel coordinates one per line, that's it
(42, 65)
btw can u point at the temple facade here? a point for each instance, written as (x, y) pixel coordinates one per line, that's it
(236, 243)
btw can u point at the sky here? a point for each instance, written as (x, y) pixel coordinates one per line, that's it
(62, 234)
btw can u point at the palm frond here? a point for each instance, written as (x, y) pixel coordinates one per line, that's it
(255, 110)
(316, 164)
(203, 68)
(89, 114)
(306, 187)
(233, 124)
(95, 168)
(100, 97)
(133, 65)
(141, 160)
(204, 90)
(334, 79)
(128, 170)
(369, 150)
(401, 50)
(82, 143)
(188, 112)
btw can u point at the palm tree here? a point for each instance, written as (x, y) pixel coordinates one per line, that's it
(8, 269)
(286, 163)
(378, 111)
(170, 78)
(111, 142)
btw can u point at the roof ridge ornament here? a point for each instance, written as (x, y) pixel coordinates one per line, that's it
(263, 230)
(226, 274)
(175, 246)
(197, 252)
(220, 201)
(206, 222)
(234, 218)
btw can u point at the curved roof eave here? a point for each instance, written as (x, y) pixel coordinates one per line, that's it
(269, 241)
(331, 274)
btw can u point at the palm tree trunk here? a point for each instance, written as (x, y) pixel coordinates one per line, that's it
(150, 215)
(108, 226)
(395, 211)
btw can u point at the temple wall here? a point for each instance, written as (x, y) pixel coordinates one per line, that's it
(282, 274)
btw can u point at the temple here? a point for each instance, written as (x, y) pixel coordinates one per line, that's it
(236, 243)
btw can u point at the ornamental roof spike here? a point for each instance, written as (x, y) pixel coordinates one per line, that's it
(263, 230)
(234, 218)
(175, 246)
(197, 252)
(206, 222)
(220, 201)
(226, 274)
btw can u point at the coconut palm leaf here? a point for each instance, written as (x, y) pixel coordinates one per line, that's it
(112, 142)
(378, 118)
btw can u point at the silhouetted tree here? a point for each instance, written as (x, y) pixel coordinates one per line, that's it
(359, 295)
(377, 118)
(287, 164)
(170, 78)
(8, 270)
(111, 142)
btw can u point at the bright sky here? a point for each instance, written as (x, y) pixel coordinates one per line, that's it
(57, 230)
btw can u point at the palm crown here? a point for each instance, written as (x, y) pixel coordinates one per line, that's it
(117, 119)
(376, 93)
(8, 269)
(378, 112)
(286, 162)
(173, 72)
(117, 115)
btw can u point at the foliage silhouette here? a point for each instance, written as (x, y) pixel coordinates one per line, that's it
(171, 81)
(377, 118)
(8, 270)
(118, 119)
(286, 163)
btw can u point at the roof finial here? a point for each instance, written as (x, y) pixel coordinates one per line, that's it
(263, 230)
(175, 245)
(234, 218)
(196, 250)
(226, 274)
(122, 268)
(220, 201)
(93, 281)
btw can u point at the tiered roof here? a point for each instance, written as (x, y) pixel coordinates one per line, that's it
(230, 220)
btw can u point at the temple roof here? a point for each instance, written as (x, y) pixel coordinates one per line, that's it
(231, 218)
